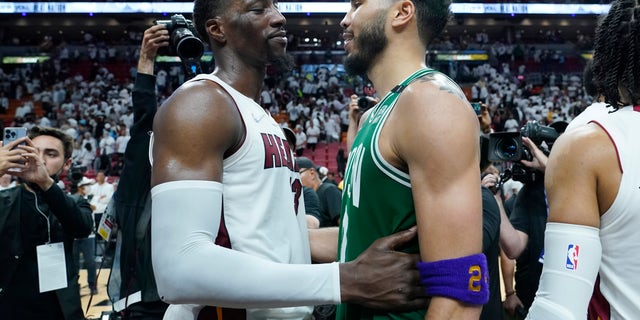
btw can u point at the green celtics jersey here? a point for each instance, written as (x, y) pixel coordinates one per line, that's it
(376, 200)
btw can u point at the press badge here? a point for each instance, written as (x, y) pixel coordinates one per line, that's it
(105, 227)
(52, 268)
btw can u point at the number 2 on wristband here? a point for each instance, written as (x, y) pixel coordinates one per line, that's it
(475, 279)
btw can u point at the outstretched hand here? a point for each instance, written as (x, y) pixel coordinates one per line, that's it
(384, 279)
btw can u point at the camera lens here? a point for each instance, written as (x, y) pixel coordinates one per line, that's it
(186, 44)
(507, 148)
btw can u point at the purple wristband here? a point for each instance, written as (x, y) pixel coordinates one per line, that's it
(465, 279)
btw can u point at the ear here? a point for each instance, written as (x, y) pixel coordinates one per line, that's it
(215, 29)
(404, 13)
(67, 165)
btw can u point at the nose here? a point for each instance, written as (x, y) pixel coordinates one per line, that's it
(346, 21)
(279, 20)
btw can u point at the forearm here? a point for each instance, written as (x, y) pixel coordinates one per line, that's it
(445, 308)
(507, 266)
(145, 63)
(191, 269)
(352, 130)
(324, 244)
(511, 240)
(75, 217)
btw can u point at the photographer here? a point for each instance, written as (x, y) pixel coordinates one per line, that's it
(132, 286)
(522, 234)
(38, 223)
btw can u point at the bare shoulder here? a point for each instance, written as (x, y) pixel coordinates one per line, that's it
(194, 103)
(580, 149)
(436, 97)
(431, 114)
(192, 131)
(438, 115)
(581, 177)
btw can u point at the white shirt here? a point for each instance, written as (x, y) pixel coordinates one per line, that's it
(102, 194)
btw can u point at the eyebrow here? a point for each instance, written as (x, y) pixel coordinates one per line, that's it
(47, 150)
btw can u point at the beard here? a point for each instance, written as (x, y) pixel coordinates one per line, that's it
(368, 44)
(283, 64)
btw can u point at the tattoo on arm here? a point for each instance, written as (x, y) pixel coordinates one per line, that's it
(445, 84)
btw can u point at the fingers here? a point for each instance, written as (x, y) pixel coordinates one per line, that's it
(15, 143)
(489, 180)
(156, 36)
(530, 144)
(393, 241)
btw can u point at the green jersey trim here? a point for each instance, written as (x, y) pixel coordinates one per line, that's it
(382, 113)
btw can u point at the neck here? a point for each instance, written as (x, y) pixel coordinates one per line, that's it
(246, 79)
(394, 64)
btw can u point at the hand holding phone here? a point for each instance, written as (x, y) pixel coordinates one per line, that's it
(477, 107)
(12, 134)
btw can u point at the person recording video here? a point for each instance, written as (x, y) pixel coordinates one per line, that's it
(522, 233)
(38, 224)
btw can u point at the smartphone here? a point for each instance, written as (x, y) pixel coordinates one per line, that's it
(476, 107)
(11, 134)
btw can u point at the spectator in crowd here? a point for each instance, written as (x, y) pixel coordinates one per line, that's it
(313, 135)
(328, 193)
(39, 220)
(422, 186)
(592, 182)
(107, 146)
(4, 102)
(87, 245)
(301, 140)
(260, 266)
(100, 193)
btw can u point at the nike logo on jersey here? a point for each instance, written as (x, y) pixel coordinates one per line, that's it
(258, 118)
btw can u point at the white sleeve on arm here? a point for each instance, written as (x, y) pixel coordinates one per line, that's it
(191, 269)
(571, 262)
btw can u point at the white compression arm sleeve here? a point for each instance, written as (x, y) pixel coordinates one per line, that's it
(571, 261)
(191, 269)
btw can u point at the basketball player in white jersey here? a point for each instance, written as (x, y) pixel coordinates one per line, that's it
(228, 220)
(593, 188)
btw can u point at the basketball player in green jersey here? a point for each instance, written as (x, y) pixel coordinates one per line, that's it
(414, 159)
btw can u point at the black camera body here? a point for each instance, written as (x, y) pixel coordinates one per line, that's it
(183, 41)
(508, 147)
(364, 103)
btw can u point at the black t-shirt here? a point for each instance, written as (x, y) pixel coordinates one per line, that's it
(330, 199)
(311, 202)
(530, 216)
(491, 248)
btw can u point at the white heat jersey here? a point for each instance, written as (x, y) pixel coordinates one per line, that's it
(263, 209)
(270, 224)
(620, 225)
(591, 112)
